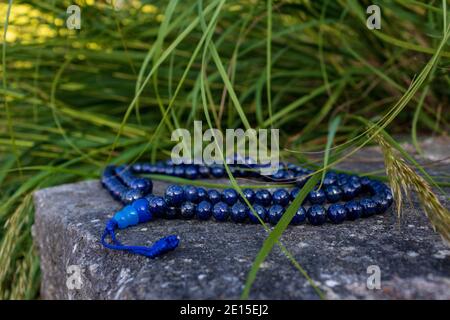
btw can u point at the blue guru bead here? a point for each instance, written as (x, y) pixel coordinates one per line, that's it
(336, 213)
(229, 196)
(174, 195)
(316, 196)
(263, 197)
(203, 210)
(121, 220)
(333, 193)
(239, 212)
(299, 217)
(143, 210)
(157, 206)
(187, 210)
(190, 193)
(260, 211)
(354, 210)
(275, 213)
(281, 197)
(131, 215)
(316, 215)
(221, 211)
(214, 196)
(369, 207)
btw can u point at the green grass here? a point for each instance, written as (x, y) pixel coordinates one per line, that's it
(72, 101)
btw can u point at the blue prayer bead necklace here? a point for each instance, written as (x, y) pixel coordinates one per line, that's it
(348, 197)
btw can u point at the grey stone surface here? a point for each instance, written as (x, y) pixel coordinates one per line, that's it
(213, 258)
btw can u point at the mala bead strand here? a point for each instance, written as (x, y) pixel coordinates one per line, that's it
(342, 197)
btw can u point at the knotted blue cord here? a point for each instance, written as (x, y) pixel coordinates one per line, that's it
(160, 247)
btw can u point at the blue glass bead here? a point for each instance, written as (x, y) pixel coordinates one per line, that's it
(260, 211)
(143, 210)
(221, 211)
(229, 196)
(333, 193)
(157, 206)
(143, 185)
(330, 179)
(136, 167)
(203, 171)
(348, 192)
(388, 196)
(263, 197)
(249, 194)
(336, 213)
(317, 196)
(214, 196)
(217, 171)
(202, 194)
(299, 217)
(294, 193)
(316, 215)
(187, 210)
(354, 210)
(131, 195)
(190, 193)
(160, 167)
(369, 207)
(178, 171)
(239, 212)
(275, 213)
(191, 172)
(174, 195)
(204, 210)
(281, 197)
(279, 175)
(171, 212)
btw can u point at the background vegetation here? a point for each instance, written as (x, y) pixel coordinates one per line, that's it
(74, 100)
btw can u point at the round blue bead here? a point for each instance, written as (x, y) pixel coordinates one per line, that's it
(336, 213)
(294, 193)
(249, 194)
(229, 196)
(279, 175)
(172, 212)
(365, 182)
(191, 172)
(178, 171)
(214, 196)
(170, 171)
(333, 193)
(354, 210)
(203, 210)
(263, 197)
(281, 197)
(157, 206)
(316, 196)
(381, 203)
(190, 193)
(221, 211)
(316, 215)
(330, 179)
(348, 192)
(131, 195)
(260, 211)
(143, 210)
(301, 181)
(187, 210)
(174, 195)
(275, 213)
(239, 212)
(143, 185)
(299, 217)
(369, 207)
(201, 194)
(203, 171)
(217, 171)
